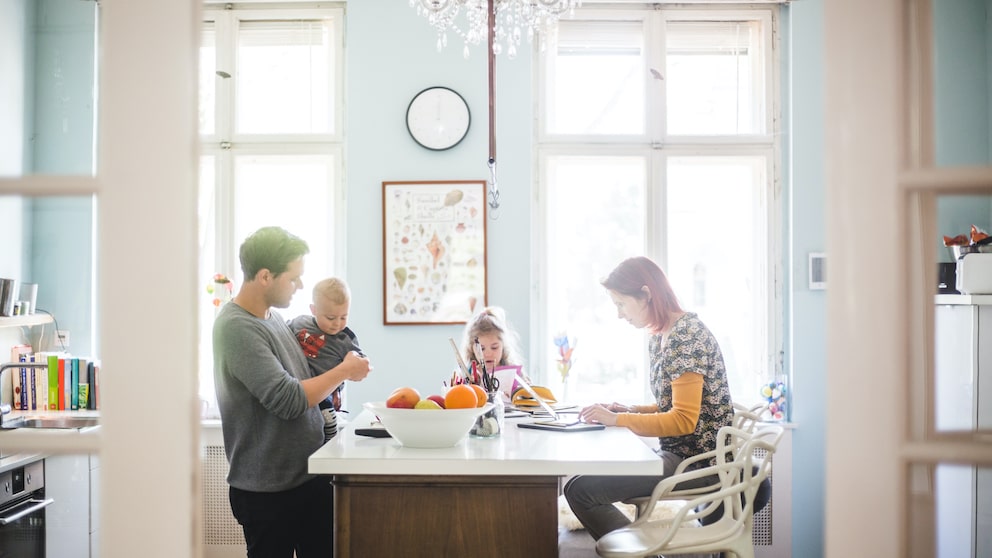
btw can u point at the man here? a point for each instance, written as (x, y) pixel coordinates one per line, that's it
(268, 405)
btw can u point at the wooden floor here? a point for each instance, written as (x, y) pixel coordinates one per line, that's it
(575, 544)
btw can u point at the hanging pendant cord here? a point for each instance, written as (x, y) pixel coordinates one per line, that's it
(493, 186)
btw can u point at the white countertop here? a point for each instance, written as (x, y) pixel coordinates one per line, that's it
(516, 451)
(951, 299)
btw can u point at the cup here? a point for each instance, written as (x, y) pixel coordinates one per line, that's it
(29, 293)
(490, 424)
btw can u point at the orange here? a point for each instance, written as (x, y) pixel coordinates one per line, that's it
(461, 396)
(480, 394)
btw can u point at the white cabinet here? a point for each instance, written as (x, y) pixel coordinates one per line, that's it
(71, 524)
(963, 402)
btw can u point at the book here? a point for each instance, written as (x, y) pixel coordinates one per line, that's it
(84, 380)
(53, 382)
(94, 402)
(60, 362)
(18, 375)
(40, 384)
(73, 384)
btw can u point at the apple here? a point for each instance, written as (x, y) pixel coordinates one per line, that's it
(439, 399)
(403, 398)
(427, 404)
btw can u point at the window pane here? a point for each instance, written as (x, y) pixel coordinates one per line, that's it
(716, 243)
(208, 79)
(597, 81)
(595, 219)
(284, 76)
(293, 192)
(714, 77)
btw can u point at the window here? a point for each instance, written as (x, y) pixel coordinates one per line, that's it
(657, 138)
(270, 125)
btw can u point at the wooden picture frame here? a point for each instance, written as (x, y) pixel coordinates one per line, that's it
(433, 251)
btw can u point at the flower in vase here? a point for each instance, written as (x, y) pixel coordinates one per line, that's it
(565, 349)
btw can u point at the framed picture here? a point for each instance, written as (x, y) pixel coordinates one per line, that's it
(433, 251)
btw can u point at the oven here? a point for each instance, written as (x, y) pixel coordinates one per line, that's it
(22, 511)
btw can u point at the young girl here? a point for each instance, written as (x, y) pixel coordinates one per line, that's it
(500, 343)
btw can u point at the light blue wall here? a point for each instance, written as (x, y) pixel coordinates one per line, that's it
(58, 251)
(961, 91)
(806, 318)
(390, 59)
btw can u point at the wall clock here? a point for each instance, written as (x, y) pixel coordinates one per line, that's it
(438, 118)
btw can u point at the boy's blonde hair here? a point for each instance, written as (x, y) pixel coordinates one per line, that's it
(333, 289)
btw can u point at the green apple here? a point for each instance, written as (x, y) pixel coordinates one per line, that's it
(426, 404)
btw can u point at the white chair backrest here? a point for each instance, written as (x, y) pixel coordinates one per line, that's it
(747, 418)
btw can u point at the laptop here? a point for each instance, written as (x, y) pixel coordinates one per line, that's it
(557, 422)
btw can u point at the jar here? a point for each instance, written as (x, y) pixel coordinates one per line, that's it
(490, 423)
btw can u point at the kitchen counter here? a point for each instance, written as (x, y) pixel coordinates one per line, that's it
(490, 497)
(963, 299)
(32, 440)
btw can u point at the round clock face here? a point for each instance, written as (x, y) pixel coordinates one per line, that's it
(438, 118)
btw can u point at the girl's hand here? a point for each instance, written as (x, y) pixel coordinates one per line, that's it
(598, 413)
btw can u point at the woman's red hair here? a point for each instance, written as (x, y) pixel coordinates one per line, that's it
(629, 278)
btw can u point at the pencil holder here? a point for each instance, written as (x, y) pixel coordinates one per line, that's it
(489, 424)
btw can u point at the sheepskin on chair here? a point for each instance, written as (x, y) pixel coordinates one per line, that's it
(665, 509)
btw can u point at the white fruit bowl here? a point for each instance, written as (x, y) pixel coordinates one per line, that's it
(427, 428)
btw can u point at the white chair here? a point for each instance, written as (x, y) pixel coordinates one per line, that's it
(739, 480)
(746, 419)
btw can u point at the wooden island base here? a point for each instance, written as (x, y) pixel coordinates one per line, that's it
(430, 516)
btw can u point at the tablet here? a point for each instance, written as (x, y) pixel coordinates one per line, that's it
(556, 426)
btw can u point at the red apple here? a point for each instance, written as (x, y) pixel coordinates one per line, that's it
(439, 399)
(403, 398)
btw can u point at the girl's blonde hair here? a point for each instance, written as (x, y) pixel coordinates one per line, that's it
(492, 319)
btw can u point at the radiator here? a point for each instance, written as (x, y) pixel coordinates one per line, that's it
(222, 536)
(772, 533)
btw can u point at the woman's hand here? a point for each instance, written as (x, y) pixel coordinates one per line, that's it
(617, 407)
(598, 413)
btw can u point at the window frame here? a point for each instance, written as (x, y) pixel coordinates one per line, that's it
(225, 145)
(656, 146)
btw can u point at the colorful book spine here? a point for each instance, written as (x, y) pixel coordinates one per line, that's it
(94, 386)
(84, 383)
(24, 395)
(34, 390)
(41, 384)
(74, 384)
(61, 365)
(53, 382)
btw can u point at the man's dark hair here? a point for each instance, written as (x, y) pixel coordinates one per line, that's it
(271, 248)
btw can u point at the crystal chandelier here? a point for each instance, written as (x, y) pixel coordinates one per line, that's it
(514, 19)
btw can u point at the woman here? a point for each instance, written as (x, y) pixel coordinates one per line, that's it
(689, 382)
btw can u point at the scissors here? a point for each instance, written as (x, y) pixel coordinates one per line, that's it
(489, 381)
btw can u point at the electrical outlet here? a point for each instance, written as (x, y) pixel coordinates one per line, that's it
(62, 338)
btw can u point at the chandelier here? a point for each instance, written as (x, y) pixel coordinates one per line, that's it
(514, 20)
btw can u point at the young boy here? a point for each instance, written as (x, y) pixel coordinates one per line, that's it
(325, 339)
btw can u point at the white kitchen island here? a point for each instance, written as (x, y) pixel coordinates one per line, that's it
(484, 497)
